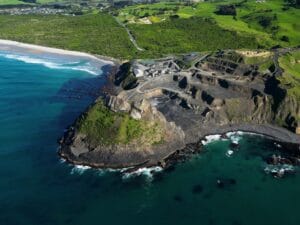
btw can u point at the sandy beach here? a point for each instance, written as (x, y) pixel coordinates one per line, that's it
(8, 45)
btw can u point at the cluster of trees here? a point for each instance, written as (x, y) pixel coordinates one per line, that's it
(293, 3)
(226, 10)
(265, 21)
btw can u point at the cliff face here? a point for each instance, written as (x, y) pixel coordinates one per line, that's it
(288, 114)
(155, 139)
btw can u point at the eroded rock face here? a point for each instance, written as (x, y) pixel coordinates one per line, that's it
(118, 103)
(289, 113)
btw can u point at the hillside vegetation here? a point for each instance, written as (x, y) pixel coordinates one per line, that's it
(102, 126)
(186, 35)
(163, 28)
(270, 23)
(290, 79)
(97, 34)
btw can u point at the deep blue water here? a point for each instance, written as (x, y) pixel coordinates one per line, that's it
(38, 101)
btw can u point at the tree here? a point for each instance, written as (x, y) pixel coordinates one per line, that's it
(293, 3)
(226, 10)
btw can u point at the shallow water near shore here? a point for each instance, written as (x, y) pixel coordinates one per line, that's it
(36, 187)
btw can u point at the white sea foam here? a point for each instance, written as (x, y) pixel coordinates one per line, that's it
(229, 153)
(279, 169)
(235, 137)
(211, 138)
(148, 172)
(101, 172)
(80, 66)
(78, 169)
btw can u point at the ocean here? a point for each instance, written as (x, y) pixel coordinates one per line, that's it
(41, 96)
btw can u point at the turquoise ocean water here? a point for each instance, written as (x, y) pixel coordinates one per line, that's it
(39, 98)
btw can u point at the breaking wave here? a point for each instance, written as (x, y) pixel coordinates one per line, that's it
(50, 63)
(147, 172)
(78, 169)
(235, 137)
(211, 138)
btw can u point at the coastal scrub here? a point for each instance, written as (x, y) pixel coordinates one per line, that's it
(103, 126)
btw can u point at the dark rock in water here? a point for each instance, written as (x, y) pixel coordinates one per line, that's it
(197, 189)
(178, 198)
(220, 184)
(234, 146)
(223, 183)
(231, 181)
(223, 136)
(280, 160)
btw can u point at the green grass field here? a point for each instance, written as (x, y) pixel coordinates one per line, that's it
(284, 24)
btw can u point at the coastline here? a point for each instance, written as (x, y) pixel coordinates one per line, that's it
(269, 131)
(9, 45)
(277, 134)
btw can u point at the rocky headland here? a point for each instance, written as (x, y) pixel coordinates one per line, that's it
(153, 112)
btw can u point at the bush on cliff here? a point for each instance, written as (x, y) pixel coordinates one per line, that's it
(102, 126)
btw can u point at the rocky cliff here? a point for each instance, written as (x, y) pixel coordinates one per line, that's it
(149, 118)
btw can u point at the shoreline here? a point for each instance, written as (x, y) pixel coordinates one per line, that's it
(9, 45)
(267, 131)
